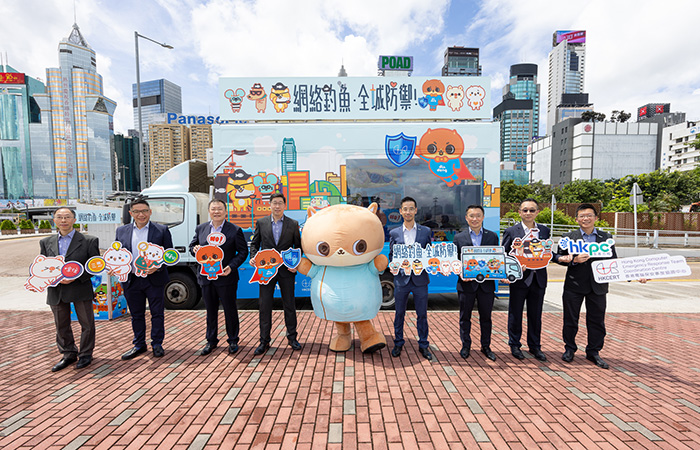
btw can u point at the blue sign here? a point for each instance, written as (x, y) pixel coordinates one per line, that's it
(400, 148)
(291, 257)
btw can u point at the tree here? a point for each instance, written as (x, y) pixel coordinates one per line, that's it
(620, 116)
(592, 116)
(585, 191)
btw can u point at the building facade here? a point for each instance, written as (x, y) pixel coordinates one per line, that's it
(127, 160)
(82, 122)
(169, 145)
(200, 141)
(518, 114)
(461, 61)
(676, 152)
(567, 64)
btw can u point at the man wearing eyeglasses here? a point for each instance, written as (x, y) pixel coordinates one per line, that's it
(530, 288)
(138, 289)
(410, 233)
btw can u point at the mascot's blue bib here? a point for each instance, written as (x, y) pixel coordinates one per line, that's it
(346, 294)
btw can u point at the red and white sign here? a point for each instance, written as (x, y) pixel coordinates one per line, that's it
(11, 78)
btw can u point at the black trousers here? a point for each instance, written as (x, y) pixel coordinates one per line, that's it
(226, 295)
(484, 302)
(595, 320)
(64, 332)
(290, 311)
(140, 290)
(533, 296)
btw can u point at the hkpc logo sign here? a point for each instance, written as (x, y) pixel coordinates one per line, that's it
(593, 249)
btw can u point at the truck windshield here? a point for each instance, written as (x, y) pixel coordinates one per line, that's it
(167, 211)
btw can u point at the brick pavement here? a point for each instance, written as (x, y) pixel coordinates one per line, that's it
(650, 397)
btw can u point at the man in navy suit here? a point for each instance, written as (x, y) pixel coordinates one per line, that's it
(138, 289)
(223, 288)
(409, 233)
(530, 288)
(471, 291)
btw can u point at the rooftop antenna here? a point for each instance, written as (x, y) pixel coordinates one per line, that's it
(75, 14)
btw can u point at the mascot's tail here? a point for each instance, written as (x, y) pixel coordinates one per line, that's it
(463, 172)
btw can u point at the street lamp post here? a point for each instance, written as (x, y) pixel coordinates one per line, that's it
(142, 163)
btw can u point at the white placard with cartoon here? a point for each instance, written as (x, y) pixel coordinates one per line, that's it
(151, 255)
(593, 249)
(660, 265)
(116, 258)
(48, 271)
(531, 252)
(489, 263)
(436, 259)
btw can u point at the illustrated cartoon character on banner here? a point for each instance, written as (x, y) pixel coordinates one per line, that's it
(455, 97)
(531, 252)
(442, 149)
(209, 256)
(266, 264)
(235, 98)
(489, 263)
(48, 271)
(152, 255)
(279, 96)
(343, 244)
(257, 94)
(433, 90)
(475, 97)
(437, 259)
(116, 259)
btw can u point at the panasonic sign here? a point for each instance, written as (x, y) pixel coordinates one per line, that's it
(196, 120)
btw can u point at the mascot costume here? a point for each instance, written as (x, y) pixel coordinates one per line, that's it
(343, 245)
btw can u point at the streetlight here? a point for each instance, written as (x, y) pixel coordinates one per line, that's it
(142, 163)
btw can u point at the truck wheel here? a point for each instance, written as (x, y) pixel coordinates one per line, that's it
(480, 277)
(181, 292)
(388, 299)
(511, 278)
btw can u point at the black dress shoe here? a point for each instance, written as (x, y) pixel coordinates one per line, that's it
(158, 351)
(568, 356)
(464, 353)
(396, 351)
(295, 345)
(207, 349)
(133, 353)
(426, 353)
(83, 362)
(538, 355)
(63, 363)
(598, 361)
(517, 353)
(262, 348)
(232, 348)
(489, 354)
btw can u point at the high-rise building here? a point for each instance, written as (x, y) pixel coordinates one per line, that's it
(678, 154)
(128, 157)
(82, 122)
(158, 98)
(289, 156)
(567, 64)
(461, 61)
(169, 145)
(660, 113)
(518, 114)
(200, 141)
(26, 156)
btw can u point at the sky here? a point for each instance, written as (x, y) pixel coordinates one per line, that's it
(637, 52)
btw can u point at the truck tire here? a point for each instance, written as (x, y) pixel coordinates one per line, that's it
(511, 278)
(480, 277)
(387, 282)
(181, 292)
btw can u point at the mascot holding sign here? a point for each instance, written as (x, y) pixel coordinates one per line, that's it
(343, 245)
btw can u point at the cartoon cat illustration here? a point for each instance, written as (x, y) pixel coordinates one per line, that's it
(475, 97)
(442, 149)
(455, 95)
(44, 272)
(118, 260)
(343, 244)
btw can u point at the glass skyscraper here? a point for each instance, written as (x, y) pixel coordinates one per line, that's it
(567, 64)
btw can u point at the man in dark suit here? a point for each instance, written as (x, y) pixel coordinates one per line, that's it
(281, 233)
(410, 233)
(77, 247)
(471, 291)
(223, 288)
(530, 288)
(579, 285)
(138, 289)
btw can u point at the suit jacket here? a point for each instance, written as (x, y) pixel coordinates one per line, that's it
(538, 276)
(235, 251)
(423, 237)
(157, 234)
(579, 277)
(462, 239)
(82, 247)
(263, 239)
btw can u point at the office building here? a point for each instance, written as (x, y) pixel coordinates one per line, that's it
(567, 64)
(660, 113)
(577, 150)
(461, 61)
(200, 141)
(169, 145)
(518, 114)
(158, 98)
(82, 122)
(509, 172)
(128, 157)
(677, 153)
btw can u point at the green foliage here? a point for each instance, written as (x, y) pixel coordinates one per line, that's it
(592, 116)
(623, 205)
(512, 193)
(44, 225)
(76, 226)
(665, 202)
(7, 224)
(620, 116)
(512, 215)
(26, 224)
(584, 191)
(545, 216)
(695, 144)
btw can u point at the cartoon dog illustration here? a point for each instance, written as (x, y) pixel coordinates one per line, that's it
(258, 95)
(118, 260)
(475, 97)
(433, 90)
(442, 149)
(517, 248)
(455, 95)
(44, 272)
(240, 190)
(279, 96)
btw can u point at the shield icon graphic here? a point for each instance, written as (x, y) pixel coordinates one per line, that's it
(400, 148)
(291, 257)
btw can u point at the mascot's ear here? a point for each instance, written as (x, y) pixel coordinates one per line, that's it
(310, 211)
(373, 208)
